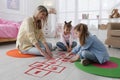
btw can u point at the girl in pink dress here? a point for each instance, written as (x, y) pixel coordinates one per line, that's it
(66, 42)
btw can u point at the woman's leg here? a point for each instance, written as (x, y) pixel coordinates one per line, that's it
(33, 51)
(42, 46)
(61, 46)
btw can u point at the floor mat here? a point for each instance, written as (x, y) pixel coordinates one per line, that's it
(108, 69)
(17, 54)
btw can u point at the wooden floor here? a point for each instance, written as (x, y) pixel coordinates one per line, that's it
(15, 68)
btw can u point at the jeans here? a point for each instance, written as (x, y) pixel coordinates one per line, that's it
(63, 47)
(88, 55)
(35, 51)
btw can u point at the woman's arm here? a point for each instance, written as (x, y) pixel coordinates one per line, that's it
(47, 49)
(43, 40)
(42, 52)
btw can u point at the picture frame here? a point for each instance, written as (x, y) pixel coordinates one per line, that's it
(13, 4)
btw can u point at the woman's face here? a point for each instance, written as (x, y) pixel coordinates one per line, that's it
(41, 15)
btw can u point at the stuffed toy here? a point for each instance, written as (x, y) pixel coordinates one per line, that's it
(115, 14)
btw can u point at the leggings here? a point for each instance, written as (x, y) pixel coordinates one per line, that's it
(35, 51)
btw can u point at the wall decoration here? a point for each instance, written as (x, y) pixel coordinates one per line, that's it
(13, 4)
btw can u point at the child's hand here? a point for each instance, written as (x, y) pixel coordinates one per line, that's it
(69, 49)
(67, 55)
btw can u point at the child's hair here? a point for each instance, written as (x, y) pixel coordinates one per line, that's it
(83, 29)
(68, 25)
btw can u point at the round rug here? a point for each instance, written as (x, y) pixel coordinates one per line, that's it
(108, 69)
(17, 54)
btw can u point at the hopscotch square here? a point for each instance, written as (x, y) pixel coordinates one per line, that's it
(39, 65)
(37, 72)
(63, 54)
(63, 60)
(53, 62)
(55, 68)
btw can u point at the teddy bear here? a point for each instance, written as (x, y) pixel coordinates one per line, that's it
(115, 14)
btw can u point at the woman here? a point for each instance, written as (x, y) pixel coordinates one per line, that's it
(30, 39)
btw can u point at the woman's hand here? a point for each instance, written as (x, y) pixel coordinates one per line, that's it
(49, 52)
(47, 49)
(46, 55)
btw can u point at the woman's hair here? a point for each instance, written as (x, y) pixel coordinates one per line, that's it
(83, 30)
(67, 25)
(41, 9)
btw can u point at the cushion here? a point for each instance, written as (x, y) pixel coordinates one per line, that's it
(16, 53)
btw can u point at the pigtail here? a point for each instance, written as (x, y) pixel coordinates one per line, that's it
(67, 25)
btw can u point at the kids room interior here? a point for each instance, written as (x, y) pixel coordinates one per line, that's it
(102, 18)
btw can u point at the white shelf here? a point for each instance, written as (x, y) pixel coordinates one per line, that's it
(93, 23)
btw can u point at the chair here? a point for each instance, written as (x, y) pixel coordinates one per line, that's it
(113, 35)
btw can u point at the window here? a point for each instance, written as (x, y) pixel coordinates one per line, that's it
(66, 10)
(73, 10)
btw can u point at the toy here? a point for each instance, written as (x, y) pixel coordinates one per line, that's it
(115, 14)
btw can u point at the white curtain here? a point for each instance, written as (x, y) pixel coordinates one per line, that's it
(73, 10)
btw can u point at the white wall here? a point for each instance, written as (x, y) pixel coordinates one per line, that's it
(27, 8)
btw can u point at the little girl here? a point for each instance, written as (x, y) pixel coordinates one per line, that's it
(66, 43)
(90, 48)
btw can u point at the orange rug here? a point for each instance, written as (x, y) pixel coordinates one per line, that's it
(17, 54)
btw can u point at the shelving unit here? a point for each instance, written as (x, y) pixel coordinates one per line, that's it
(49, 30)
(93, 23)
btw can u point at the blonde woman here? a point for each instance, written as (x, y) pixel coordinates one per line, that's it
(30, 39)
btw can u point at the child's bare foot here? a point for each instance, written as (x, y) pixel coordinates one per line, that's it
(75, 58)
